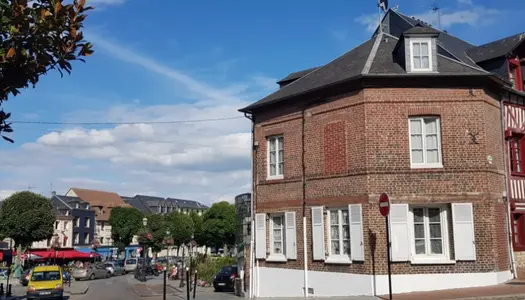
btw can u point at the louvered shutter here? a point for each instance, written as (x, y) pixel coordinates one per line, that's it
(357, 247)
(260, 236)
(291, 235)
(463, 223)
(318, 233)
(399, 232)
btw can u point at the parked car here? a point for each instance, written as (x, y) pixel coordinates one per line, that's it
(131, 264)
(45, 282)
(224, 280)
(92, 272)
(115, 268)
(24, 278)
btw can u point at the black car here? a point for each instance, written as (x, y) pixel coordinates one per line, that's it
(224, 280)
(24, 278)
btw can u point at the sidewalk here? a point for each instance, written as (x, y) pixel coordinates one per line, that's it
(514, 289)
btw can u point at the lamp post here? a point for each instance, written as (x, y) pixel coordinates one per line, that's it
(144, 250)
(168, 241)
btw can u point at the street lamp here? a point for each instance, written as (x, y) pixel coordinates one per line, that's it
(144, 249)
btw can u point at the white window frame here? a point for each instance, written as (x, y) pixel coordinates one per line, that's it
(277, 256)
(338, 258)
(430, 60)
(86, 238)
(445, 233)
(77, 222)
(424, 164)
(277, 157)
(76, 237)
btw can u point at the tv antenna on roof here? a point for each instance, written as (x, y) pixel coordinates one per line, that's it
(437, 10)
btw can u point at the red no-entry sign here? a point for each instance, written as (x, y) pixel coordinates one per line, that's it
(384, 204)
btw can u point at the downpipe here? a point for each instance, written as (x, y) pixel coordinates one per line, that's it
(305, 242)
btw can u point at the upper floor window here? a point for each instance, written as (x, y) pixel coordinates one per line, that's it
(56, 224)
(425, 142)
(421, 54)
(516, 155)
(77, 222)
(275, 157)
(87, 222)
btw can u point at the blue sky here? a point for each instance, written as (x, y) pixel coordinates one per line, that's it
(186, 60)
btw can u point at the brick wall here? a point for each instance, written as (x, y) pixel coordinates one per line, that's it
(357, 146)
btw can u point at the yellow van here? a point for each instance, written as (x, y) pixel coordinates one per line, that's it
(45, 282)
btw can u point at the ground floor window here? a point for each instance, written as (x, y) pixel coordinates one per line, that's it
(518, 231)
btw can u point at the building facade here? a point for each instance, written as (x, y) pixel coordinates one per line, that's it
(63, 232)
(101, 202)
(406, 113)
(83, 221)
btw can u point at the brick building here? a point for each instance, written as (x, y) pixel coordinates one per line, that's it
(408, 113)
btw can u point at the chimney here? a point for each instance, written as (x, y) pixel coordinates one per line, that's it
(53, 193)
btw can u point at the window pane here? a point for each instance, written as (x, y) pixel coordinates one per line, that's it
(418, 215)
(277, 248)
(416, 49)
(420, 246)
(435, 230)
(417, 63)
(281, 156)
(346, 232)
(424, 49)
(416, 141)
(436, 247)
(335, 248)
(272, 157)
(419, 231)
(430, 126)
(277, 234)
(280, 142)
(432, 156)
(344, 217)
(334, 218)
(425, 62)
(281, 168)
(272, 170)
(346, 247)
(417, 156)
(415, 126)
(272, 144)
(434, 215)
(431, 142)
(334, 232)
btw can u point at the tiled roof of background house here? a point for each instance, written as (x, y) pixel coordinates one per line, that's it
(495, 49)
(106, 200)
(137, 203)
(187, 203)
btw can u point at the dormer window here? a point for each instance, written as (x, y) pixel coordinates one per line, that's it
(421, 55)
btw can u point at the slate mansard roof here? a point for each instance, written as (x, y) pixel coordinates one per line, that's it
(376, 58)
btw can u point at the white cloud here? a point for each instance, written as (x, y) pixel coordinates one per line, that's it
(204, 161)
(6, 193)
(474, 17)
(467, 2)
(371, 21)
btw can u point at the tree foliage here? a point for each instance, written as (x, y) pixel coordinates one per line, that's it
(157, 229)
(180, 226)
(36, 37)
(125, 223)
(198, 232)
(219, 225)
(27, 217)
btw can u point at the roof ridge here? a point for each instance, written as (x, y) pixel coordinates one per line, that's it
(372, 54)
(464, 64)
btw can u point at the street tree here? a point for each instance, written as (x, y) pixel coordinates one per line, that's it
(35, 37)
(125, 223)
(198, 233)
(219, 225)
(155, 232)
(180, 226)
(27, 217)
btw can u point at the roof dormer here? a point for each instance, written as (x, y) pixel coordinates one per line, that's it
(420, 46)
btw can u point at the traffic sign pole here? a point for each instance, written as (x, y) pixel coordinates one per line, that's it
(384, 209)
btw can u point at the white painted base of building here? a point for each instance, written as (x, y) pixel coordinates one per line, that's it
(275, 282)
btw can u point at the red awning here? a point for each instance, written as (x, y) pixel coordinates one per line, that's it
(65, 253)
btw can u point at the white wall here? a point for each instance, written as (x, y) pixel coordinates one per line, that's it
(65, 228)
(105, 233)
(347, 284)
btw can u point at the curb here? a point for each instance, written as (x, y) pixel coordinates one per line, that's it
(81, 292)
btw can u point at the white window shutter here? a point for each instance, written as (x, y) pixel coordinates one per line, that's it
(291, 235)
(260, 235)
(318, 233)
(357, 247)
(399, 237)
(463, 223)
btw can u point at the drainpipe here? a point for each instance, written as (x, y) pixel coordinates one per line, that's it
(305, 244)
(506, 196)
(252, 209)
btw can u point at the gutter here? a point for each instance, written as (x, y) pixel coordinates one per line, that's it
(508, 214)
(252, 209)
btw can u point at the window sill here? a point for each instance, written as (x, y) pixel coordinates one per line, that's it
(338, 260)
(433, 262)
(280, 177)
(517, 174)
(276, 258)
(426, 166)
